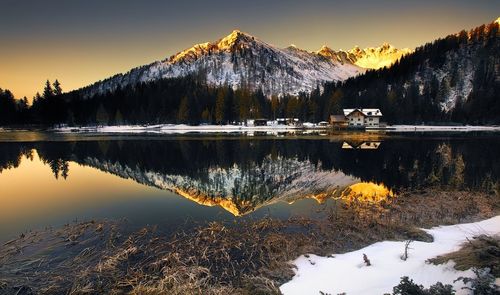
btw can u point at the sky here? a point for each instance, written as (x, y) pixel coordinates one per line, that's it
(83, 41)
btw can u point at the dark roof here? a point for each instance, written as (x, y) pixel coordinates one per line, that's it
(337, 118)
(366, 112)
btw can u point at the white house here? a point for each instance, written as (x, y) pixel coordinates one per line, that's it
(365, 145)
(363, 117)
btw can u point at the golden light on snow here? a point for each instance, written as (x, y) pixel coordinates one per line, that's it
(226, 204)
(378, 57)
(367, 192)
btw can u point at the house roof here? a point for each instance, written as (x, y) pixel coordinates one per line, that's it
(337, 118)
(366, 112)
(366, 145)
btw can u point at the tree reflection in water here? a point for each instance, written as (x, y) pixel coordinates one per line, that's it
(242, 174)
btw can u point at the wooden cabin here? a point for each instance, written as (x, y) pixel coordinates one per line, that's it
(338, 121)
(363, 117)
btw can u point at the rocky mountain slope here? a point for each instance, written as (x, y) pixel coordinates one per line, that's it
(241, 59)
(454, 78)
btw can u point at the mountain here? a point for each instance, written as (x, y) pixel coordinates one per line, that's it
(452, 79)
(241, 59)
(455, 78)
(377, 57)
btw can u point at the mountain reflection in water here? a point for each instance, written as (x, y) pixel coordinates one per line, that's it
(242, 175)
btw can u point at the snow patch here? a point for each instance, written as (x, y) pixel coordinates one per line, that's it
(347, 272)
(430, 128)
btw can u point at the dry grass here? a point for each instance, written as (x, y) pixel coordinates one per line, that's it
(480, 252)
(240, 257)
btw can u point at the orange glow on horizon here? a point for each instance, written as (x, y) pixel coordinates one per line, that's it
(45, 195)
(77, 61)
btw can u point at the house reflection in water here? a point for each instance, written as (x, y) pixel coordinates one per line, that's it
(364, 145)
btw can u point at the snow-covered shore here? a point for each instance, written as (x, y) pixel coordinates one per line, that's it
(347, 272)
(436, 128)
(181, 128)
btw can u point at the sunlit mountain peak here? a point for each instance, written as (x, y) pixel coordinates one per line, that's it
(235, 37)
(325, 50)
(386, 45)
(377, 57)
(240, 58)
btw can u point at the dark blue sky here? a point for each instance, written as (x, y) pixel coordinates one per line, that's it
(82, 41)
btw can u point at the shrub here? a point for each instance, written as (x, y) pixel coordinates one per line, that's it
(408, 287)
(483, 283)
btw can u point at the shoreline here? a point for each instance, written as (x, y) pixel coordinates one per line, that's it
(341, 273)
(182, 128)
(100, 256)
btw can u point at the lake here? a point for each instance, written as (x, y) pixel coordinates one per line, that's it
(48, 180)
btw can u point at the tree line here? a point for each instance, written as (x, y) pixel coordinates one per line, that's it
(187, 100)
(416, 87)
(413, 90)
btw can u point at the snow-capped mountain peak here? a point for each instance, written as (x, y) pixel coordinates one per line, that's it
(242, 59)
(191, 53)
(234, 41)
(386, 46)
(325, 51)
(377, 57)
(236, 38)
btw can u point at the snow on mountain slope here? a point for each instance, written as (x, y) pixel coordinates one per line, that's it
(378, 57)
(241, 59)
(460, 66)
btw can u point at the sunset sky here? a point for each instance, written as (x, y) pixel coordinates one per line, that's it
(80, 42)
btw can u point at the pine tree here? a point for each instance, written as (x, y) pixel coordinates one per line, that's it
(70, 120)
(206, 116)
(24, 103)
(118, 118)
(274, 106)
(48, 91)
(37, 98)
(102, 117)
(7, 107)
(57, 88)
(220, 107)
(183, 113)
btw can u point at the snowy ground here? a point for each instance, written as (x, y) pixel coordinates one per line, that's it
(347, 272)
(429, 128)
(181, 128)
(170, 128)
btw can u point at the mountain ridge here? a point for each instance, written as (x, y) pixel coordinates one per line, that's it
(456, 77)
(242, 59)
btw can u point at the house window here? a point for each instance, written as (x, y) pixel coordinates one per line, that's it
(371, 119)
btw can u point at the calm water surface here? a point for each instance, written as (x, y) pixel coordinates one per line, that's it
(174, 181)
